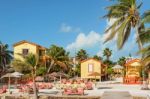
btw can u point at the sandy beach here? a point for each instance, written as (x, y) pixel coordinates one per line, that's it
(98, 91)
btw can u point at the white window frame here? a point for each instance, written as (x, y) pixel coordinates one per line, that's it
(90, 67)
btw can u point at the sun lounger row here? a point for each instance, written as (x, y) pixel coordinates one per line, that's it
(73, 91)
(87, 86)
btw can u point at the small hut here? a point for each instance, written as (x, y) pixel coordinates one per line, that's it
(133, 69)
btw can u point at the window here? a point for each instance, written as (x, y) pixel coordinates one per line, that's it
(25, 51)
(90, 68)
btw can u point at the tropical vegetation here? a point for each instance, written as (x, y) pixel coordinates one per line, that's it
(6, 56)
(107, 52)
(127, 17)
(58, 58)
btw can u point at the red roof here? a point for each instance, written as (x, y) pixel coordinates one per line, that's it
(132, 61)
(24, 41)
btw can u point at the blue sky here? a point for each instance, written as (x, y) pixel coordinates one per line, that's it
(72, 24)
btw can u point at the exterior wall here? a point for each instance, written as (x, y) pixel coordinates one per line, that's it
(133, 71)
(84, 68)
(18, 50)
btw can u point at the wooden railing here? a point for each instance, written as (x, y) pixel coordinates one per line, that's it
(132, 80)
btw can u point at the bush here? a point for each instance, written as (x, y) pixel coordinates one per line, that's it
(41, 71)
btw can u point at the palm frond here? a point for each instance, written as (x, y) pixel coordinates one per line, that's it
(146, 17)
(145, 36)
(139, 6)
(31, 60)
(62, 64)
(113, 29)
(126, 33)
(121, 34)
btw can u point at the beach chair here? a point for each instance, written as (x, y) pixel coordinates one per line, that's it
(2, 91)
(67, 91)
(89, 86)
(80, 91)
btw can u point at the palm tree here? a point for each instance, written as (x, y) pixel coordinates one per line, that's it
(145, 35)
(122, 61)
(146, 56)
(82, 55)
(32, 61)
(97, 57)
(21, 66)
(126, 13)
(58, 57)
(5, 55)
(107, 52)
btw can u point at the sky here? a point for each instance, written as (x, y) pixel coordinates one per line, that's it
(72, 24)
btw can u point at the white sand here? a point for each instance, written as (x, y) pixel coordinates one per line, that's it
(134, 90)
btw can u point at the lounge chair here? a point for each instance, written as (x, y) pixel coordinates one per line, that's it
(89, 86)
(78, 91)
(2, 91)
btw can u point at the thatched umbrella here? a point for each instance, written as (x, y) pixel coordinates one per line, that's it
(58, 74)
(61, 74)
(9, 75)
(117, 67)
(53, 76)
(17, 74)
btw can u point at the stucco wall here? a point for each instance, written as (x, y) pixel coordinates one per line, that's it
(18, 50)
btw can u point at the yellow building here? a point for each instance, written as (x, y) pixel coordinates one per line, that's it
(90, 66)
(24, 47)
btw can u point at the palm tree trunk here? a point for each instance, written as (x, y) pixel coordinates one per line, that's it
(52, 63)
(145, 85)
(107, 58)
(34, 85)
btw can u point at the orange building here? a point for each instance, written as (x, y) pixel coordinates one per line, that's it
(133, 70)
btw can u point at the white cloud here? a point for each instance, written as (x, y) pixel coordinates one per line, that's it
(65, 28)
(68, 28)
(94, 41)
(85, 41)
(129, 47)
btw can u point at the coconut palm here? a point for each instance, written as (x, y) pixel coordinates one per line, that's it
(81, 55)
(5, 55)
(107, 52)
(146, 56)
(122, 61)
(58, 57)
(145, 34)
(32, 61)
(126, 13)
(127, 16)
